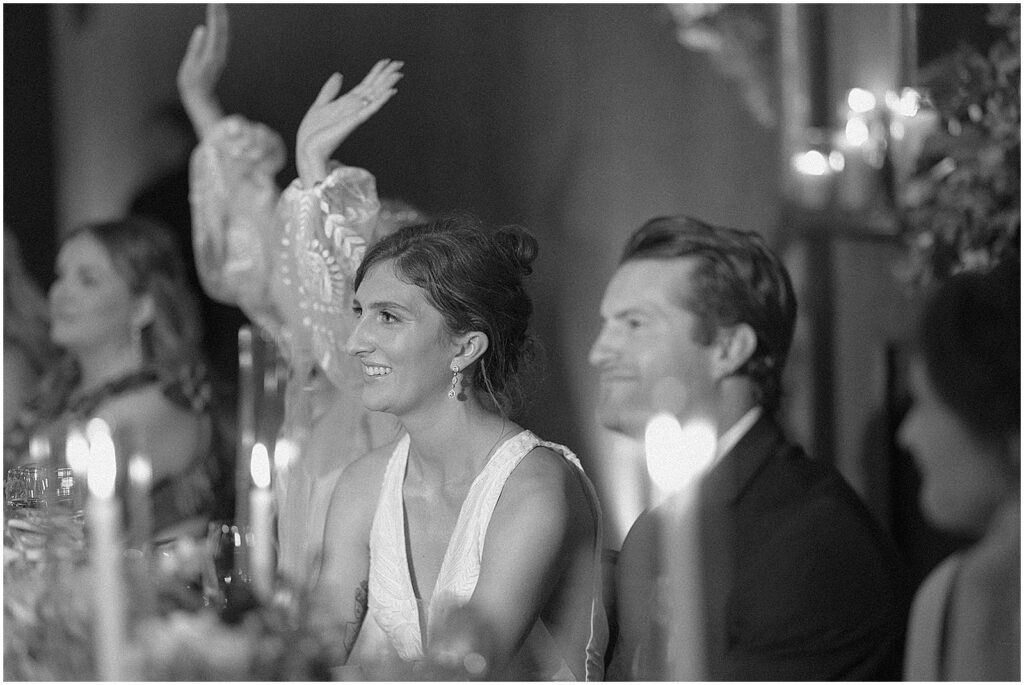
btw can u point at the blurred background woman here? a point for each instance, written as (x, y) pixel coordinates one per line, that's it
(964, 432)
(125, 323)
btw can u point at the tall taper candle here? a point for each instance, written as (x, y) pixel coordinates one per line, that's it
(140, 533)
(246, 421)
(103, 520)
(261, 520)
(140, 480)
(677, 456)
(77, 451)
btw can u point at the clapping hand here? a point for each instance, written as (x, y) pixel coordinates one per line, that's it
(201, 68)
(331, 118)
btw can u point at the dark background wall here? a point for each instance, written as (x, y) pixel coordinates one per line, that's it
(29, 184)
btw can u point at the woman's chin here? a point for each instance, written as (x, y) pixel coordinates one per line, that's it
(372, 401)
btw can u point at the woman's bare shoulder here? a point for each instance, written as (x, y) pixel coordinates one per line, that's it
(547, 486)
(543, 470)
(359, 484)
(369, 467)
(141, 404)
(171, 434)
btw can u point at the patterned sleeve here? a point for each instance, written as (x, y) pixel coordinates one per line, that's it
(326, 232)
(234, 199)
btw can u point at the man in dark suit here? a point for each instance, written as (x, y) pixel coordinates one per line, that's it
(767, 565)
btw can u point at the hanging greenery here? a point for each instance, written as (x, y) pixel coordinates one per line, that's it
(961, 210)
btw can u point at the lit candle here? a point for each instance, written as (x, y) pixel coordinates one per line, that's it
(77, 452)
(285, 452)
(861, 142)
(140, 532)
(140, 481)
(812, 178)
(261, 521)
(39, 449)
(912, 121)
(103, 518)
(855, 184)
(677, 455)
(246, 418)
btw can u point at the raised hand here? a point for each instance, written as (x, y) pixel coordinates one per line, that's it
(201, 68)
(331, 119)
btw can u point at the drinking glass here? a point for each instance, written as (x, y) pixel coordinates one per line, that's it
(37, 485)
(227, 584)
(14, 488)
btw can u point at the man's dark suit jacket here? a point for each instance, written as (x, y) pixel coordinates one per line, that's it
(800, 581)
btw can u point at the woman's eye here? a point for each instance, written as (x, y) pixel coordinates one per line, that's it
(357, 311)
(387, 317)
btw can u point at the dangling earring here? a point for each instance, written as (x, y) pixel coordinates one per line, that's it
(456, 378)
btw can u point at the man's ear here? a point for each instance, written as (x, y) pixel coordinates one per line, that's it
(733, 347)
(145, 311)
(471, 347)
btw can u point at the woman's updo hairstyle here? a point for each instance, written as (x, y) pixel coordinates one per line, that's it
(474, 277)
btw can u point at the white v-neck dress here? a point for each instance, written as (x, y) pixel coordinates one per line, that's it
(396, 620)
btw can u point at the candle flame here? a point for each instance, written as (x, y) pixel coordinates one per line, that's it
(285, 452)
(836, 161)
(259, 466)
(676, 453)
(860, 100)
(39, 448)
(910, 102)
(140, 470)
(857, 131)
(77, 450)
(102, 460)
(811, 163)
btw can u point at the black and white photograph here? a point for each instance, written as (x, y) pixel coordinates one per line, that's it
(516, 342)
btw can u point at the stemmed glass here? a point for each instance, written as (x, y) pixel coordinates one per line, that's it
(227, 584)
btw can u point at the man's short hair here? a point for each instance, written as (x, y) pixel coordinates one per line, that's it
(738, 279)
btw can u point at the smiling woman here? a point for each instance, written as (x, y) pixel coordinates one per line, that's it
(452, 274)
(125, 323)
(471, 547)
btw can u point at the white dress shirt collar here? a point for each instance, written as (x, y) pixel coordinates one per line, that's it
(736, 431)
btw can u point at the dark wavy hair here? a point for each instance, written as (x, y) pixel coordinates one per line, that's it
(147, 256)
(969, 339)
(738, 279)
(474, 277)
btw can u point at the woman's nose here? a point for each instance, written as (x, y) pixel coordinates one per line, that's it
(357, 341)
